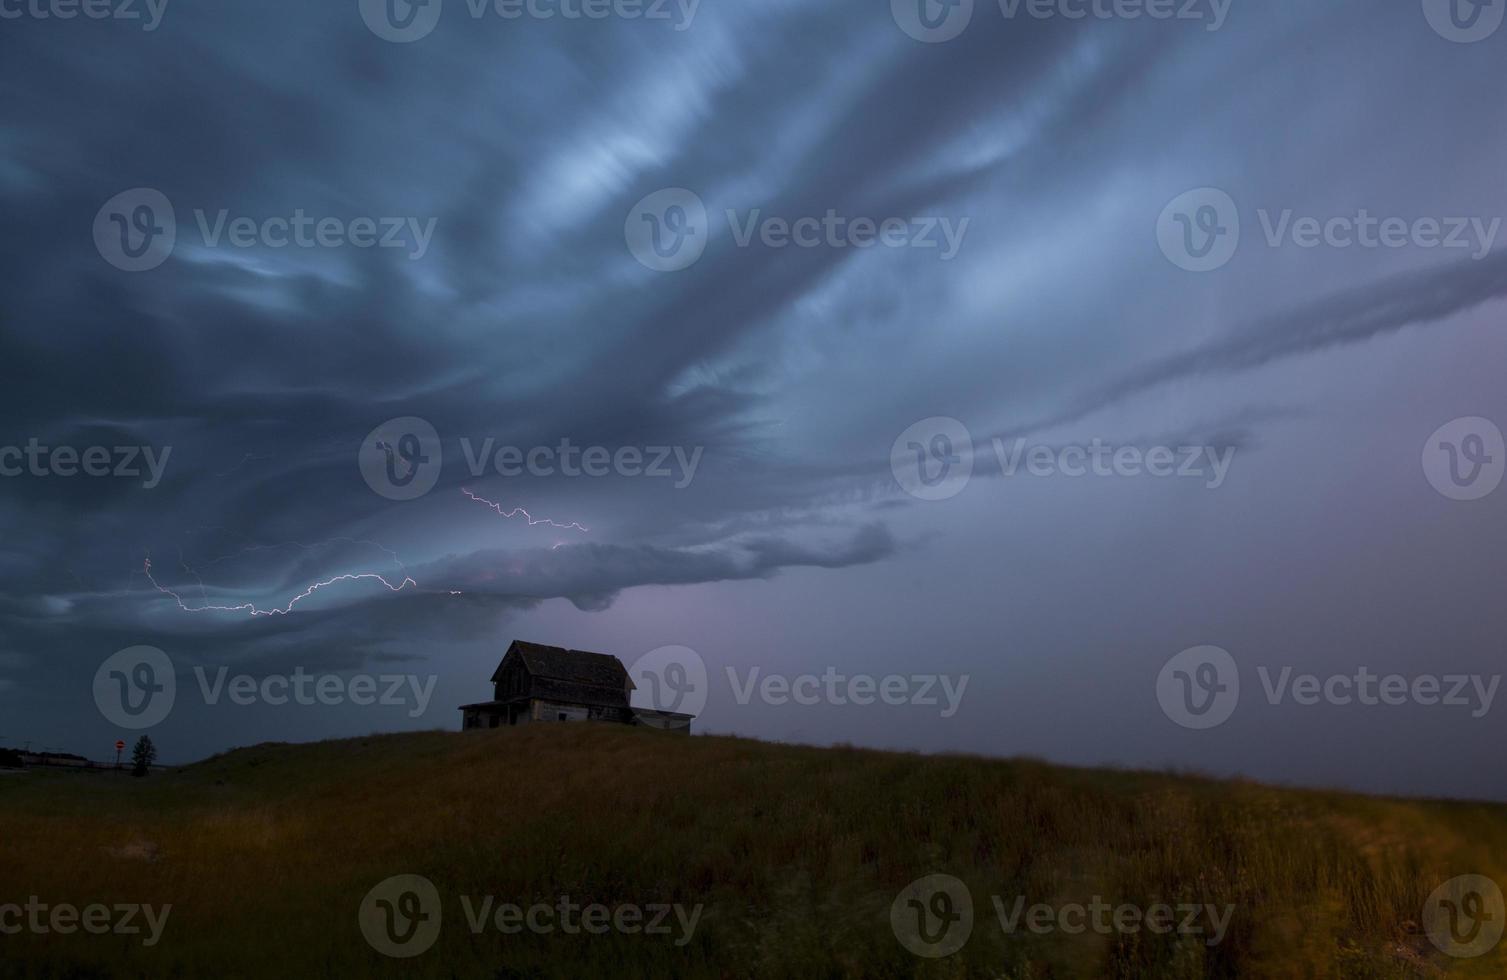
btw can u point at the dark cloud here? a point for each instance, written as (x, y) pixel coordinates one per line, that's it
(528, 321)
(1416, 299)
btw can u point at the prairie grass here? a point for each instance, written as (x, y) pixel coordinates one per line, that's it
(796, 854)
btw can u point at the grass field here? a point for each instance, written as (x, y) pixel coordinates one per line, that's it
(794, 856)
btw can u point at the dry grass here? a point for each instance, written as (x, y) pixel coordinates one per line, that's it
(796, 853)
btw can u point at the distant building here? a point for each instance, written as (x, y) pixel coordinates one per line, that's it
(538, 683)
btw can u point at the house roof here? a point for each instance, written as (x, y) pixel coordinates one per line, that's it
(573, 667)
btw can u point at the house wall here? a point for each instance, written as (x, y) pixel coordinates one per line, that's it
(553, 711)
(513, 680)
(538, 710)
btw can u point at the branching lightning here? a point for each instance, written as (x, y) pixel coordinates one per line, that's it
(250, 607)
(391, 582)
(519, 511)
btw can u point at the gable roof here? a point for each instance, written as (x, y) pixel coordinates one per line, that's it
(570, 666)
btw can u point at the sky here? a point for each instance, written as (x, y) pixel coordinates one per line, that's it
(770, 341)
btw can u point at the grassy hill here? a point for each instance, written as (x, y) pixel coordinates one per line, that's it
(795, 856)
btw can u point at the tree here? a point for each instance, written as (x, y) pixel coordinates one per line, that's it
(142, 756)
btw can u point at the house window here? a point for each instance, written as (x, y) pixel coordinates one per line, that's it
(562, 716)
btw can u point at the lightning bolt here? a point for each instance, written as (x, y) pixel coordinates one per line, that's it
(391, 584)
(251, 607)
(516, 511)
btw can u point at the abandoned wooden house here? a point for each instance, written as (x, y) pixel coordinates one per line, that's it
(538, 683)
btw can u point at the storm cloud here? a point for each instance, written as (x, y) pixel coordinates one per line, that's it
(1013, 176)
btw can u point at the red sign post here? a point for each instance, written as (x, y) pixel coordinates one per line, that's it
(120, 747)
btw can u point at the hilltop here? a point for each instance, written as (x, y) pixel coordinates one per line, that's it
(767, 861)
